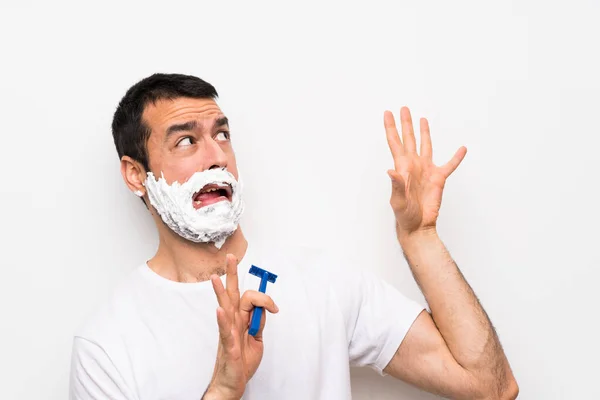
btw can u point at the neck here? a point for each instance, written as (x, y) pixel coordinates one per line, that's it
(180, 260)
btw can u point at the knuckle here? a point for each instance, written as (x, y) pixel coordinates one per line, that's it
(248, 294)
(246, 299)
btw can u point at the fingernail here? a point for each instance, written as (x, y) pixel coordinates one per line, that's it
(276, 308)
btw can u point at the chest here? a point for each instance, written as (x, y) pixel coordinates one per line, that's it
(305, 356)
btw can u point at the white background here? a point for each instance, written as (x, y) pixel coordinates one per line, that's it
(305, 87)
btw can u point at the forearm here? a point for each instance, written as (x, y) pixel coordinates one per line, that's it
(457, 313)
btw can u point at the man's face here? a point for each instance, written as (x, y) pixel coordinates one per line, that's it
(187, 136)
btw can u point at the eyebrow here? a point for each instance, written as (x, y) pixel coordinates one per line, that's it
(221, 122)
(192, 125)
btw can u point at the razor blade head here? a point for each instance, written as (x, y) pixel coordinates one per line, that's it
(254, 270)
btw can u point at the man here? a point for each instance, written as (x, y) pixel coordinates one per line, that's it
(159, 337)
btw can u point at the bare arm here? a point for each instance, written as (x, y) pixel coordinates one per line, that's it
(454, 351)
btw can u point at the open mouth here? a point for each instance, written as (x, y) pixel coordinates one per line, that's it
(211, 194)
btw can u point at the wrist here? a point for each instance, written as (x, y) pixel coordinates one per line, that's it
(424, 247)
(215, 393)
(414, 241)
(421, 242)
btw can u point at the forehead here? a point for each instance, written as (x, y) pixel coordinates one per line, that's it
(164, 112)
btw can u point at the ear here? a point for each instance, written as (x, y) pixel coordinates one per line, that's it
(134, 175)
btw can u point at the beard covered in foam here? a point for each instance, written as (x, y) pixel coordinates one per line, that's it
(176, 204)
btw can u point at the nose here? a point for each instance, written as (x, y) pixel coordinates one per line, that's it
(214, 155)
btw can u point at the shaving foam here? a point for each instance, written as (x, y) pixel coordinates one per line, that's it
(174, 203)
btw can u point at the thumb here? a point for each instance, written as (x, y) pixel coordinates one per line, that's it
(398, 183)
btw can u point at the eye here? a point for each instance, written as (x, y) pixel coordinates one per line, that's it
(222, 136)
(186, 141)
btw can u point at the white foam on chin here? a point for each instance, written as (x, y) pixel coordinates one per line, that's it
(212, 223)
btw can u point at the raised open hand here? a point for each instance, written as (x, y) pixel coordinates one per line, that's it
(239, 353)
(417, 183)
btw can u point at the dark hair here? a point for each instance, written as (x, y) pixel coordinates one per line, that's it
(130, 133)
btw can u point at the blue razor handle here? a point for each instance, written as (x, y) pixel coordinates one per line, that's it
(265, 276)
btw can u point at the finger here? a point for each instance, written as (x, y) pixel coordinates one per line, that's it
(426, 148)
(251, 299)
(393, 139)
(222, 295)
(233, 289)
(408, 134)
(451, 165)
(225, 329)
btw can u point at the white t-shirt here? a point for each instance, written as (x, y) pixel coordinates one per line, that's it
(157, 339)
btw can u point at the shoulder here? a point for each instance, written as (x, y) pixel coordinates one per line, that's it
(114, 311)
(100, 347)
